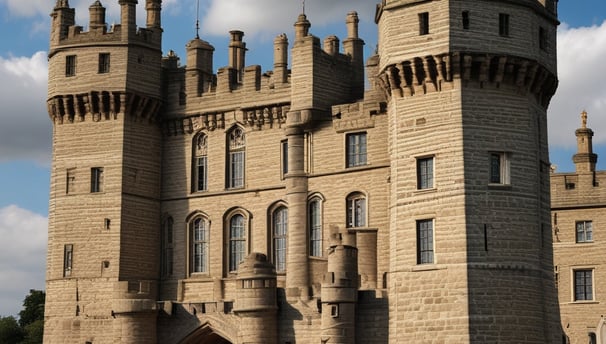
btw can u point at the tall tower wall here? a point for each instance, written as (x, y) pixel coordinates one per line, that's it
(467, 105)
(103, 99)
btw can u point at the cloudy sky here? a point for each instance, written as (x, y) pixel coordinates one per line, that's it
(25, 130)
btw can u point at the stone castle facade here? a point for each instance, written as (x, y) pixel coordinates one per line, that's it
(578, 209)
(298, 205)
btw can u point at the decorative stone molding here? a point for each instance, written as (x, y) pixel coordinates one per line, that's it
(102, 105)
(434, 73)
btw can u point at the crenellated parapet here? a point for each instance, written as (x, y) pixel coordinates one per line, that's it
(66, 34)
(422, 75)
(102, 105)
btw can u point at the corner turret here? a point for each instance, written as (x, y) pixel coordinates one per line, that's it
(585, 159)
(62, 18)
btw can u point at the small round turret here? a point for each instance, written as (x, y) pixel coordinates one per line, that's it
(256, 301)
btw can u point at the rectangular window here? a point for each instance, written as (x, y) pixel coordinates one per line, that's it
(583, 285)
(284, 153)
(201, 175)
(425, 241)
(504, 24)
(68, 258)
(499, 168)
(70, 65)
(542, 38)
(96, 179)
(103, 63)
(356, 149)
(70, 182)
(584, 231)
(465, 18)
(425, 173)
(424, 23)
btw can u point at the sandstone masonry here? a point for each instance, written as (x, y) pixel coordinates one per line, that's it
(194, 205)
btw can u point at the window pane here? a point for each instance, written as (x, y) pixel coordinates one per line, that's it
(495, 168)
(356, 211)
(315, 225)
(237, 241)
(280, 223)
(356, 149)
(425, 173)
(200, 245)
(583, 285)
(424, 241)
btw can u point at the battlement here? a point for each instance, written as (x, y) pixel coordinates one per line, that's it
(196, 84)
(65, 33)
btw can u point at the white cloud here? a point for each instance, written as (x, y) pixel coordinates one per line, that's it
(26, 130)
(581, 54)
(22, 258)
(29, 8)
(271, 17)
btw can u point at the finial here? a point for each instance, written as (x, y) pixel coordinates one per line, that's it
(584, 119)
(198, 20)
(303, 6)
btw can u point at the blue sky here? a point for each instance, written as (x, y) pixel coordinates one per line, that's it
(25, 130)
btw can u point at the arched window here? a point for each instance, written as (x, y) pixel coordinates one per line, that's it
(167, 247)
(279, 233)
(236, 158)
(200, 163)
(200, 240)
(237, 241)
(356, 210)
(315, 227)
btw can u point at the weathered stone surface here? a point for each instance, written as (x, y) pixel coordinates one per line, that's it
(455, 94)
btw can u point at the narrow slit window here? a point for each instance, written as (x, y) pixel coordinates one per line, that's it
(465, 18)
(96, 179)
(424, 23)
(504, 24)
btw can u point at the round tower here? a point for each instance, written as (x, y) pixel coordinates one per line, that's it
(104, 96)
(470, 243)
(339, 293)
(256, 300)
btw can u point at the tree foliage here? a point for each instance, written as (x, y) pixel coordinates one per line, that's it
(10, 331)
(30, 327)
(33, 308)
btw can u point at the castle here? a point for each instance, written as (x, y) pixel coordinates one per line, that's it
(578, 203)
(298, 205)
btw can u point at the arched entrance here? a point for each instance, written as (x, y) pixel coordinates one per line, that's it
(205, 335)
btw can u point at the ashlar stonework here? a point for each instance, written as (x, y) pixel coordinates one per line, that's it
(198, 205)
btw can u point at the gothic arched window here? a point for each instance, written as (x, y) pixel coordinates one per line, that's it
(356, 210)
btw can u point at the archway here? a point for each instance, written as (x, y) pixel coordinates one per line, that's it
(205, 335)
